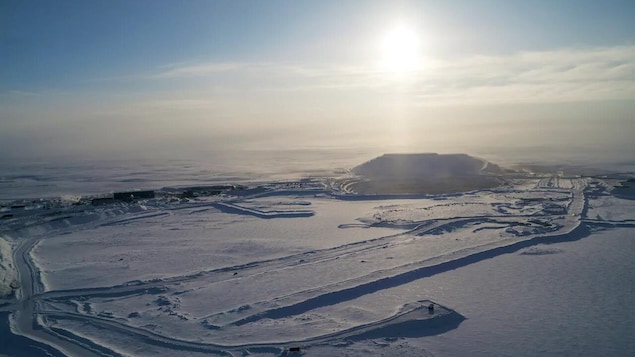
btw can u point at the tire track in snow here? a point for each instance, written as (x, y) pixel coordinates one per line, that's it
(25, 321)
(416, 312)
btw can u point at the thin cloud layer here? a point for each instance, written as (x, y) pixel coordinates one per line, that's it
(606, 73)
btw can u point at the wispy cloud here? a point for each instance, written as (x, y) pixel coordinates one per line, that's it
(540, 76)
(210, 69)
(551, 76)
(20, 93)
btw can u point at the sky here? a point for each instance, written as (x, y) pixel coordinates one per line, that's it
(129, 77)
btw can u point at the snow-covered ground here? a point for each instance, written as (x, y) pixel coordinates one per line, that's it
(522, 269)
(8, 274)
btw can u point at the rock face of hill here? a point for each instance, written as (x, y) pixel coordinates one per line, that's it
(425, 173)
(626, 190)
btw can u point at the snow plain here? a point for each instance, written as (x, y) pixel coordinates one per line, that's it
(542, 265)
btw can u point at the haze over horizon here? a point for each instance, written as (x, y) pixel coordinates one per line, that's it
(156, 78)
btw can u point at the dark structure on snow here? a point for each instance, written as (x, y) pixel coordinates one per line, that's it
(102, 201)
(133, 195)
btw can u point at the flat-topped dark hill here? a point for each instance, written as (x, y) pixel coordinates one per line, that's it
(425, 173)
(425, 166)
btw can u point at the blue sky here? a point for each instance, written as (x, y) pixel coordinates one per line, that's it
(79, 68)
(49, 44)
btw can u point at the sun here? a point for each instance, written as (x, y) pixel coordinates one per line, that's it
(400, 50)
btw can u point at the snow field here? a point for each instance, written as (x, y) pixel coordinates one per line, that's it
(283, 265)
(187, 241)
(242, 276)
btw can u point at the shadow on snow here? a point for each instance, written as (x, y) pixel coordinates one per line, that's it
(354, 292)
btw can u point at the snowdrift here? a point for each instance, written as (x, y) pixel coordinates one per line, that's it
(8, 276)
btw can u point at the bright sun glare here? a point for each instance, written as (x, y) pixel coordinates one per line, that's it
(400, 50)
